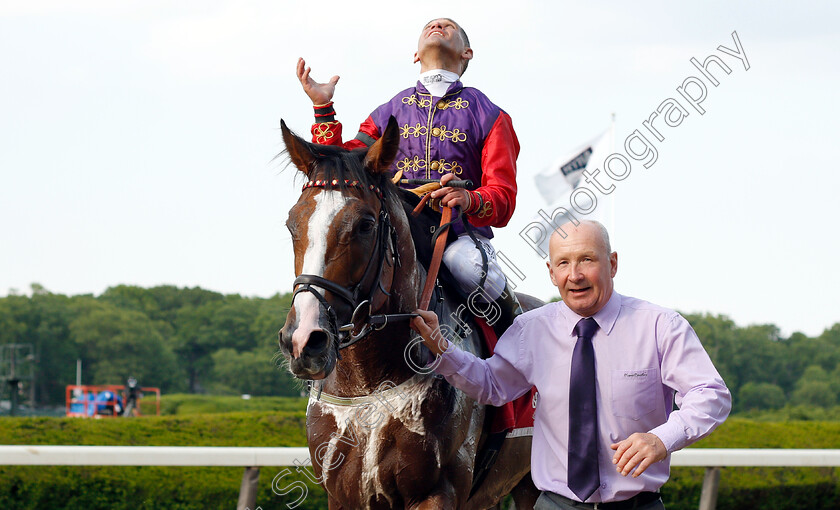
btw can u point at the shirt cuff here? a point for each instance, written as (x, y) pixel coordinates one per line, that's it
(448, 363)
(324, 113)
(671, 435)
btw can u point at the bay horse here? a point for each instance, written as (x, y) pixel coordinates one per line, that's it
(383, 431)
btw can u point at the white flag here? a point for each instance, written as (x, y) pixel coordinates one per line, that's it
(557, 184)
(565, 174)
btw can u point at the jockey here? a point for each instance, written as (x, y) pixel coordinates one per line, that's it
(447, 131)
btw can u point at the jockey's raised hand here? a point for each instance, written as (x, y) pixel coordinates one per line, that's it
(319, 93)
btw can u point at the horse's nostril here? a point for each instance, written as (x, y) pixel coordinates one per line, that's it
(317, 341)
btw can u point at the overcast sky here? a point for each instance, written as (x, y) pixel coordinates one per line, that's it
(137, 138)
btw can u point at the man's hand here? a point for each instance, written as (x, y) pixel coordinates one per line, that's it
(319, 93)
(640, 450)
(452, 197)
(429, 328)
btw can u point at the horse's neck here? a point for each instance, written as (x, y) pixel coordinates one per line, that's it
(381, 357)
(385, 356)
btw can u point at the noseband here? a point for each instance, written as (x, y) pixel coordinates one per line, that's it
(362, 323)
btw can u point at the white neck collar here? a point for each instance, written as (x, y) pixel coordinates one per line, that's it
(437, 81)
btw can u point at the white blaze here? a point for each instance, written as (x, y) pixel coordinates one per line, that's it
(307, 308)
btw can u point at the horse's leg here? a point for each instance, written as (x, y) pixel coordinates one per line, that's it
(436, 502)
(525, 494)
(511, 466)
(442, 498)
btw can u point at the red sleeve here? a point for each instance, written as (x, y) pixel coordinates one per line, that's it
(327, 131)
(498, 176)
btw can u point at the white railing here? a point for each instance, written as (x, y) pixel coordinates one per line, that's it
(150, 456)
(252, 458)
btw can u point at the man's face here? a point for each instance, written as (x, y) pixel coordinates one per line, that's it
(442, 33)
(582, 268)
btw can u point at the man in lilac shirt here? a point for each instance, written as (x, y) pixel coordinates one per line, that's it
(646, 358)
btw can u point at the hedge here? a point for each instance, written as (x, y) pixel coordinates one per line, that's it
(117, 488)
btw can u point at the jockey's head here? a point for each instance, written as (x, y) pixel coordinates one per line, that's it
(443, 44)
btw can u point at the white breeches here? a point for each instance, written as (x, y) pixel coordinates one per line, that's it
(463, 260)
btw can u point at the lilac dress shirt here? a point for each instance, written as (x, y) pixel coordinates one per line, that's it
(646, 358)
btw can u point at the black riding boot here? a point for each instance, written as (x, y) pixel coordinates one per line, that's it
(510, 308)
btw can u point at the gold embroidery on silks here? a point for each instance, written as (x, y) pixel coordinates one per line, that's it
(413, 100)
(458, 104)
(416, 164)
(456, 135)
(486, 210)
(411, 164)
(448, 167)
(415, 130)
(323, 132)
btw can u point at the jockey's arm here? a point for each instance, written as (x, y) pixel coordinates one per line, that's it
(326, 130)
(494, 201)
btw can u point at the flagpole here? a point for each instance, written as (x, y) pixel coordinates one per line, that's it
(612, 142)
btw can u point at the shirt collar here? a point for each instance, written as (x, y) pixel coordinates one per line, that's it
(454, 87)
(605, 317)
(439, 75)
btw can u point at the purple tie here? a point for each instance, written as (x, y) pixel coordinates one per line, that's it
(583, 414)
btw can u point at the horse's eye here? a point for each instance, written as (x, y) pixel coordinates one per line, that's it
(366, 226)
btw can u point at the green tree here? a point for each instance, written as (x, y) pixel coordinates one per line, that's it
(55, 351)
(43, 321)
(814, 393)
(252, 372)
(195, 340)
(814, 388)
(760, 396)
(119, 343)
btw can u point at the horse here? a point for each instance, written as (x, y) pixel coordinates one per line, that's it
(383, 430)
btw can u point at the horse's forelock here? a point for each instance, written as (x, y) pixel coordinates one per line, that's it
(339, 164)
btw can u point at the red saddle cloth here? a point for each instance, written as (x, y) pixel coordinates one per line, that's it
(517, 417)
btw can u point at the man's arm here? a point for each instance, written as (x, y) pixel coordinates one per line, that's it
(495, 381)
(702, 397)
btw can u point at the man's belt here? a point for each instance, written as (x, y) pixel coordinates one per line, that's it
(638, 501)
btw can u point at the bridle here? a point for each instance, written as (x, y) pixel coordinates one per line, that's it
(361, 322)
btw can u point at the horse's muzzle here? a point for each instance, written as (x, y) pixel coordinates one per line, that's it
(310, 356)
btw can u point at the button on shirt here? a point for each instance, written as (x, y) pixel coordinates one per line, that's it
(646, 358)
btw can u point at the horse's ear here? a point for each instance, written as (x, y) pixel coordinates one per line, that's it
(382, 153)
(297, 149)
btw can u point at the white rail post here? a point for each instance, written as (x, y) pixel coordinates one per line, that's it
(248, 489)
(708, 495)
